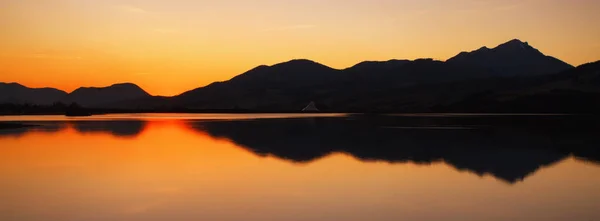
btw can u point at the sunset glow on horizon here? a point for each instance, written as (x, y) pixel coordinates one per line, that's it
(168, 47)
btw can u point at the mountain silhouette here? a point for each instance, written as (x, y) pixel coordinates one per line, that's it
(389, 86)
(513, 58)
(19, 94)
(263, 87)
(293, 84)
(481, 145)
(512, 77)
(105, 96)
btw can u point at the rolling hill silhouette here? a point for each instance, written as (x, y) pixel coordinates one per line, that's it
(512, 77)
(111, 96)
(422, 85)
(264, 87)
(291, 85)
(19, 94)
(105, 96)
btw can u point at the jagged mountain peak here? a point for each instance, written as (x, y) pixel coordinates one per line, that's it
(512, 58)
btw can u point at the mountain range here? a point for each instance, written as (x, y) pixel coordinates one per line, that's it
(91, 97)
(512, 77)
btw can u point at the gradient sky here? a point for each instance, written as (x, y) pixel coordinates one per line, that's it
(168, 47)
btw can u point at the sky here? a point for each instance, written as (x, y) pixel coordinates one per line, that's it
(168, 47)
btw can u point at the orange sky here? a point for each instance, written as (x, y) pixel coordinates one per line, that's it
(168, 47)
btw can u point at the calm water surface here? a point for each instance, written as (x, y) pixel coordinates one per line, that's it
(298, 167)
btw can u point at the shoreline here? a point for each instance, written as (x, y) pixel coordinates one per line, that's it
(303, 112)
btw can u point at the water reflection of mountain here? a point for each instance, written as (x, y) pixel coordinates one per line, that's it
(130, 128)
(509, 148)
(31, 127)
(494, 146)
(125, 129)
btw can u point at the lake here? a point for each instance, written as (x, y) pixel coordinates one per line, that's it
(300, 167)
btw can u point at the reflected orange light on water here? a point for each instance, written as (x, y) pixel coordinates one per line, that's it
(170, 171)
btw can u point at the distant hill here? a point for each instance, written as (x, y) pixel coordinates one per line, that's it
(513, 58)
(105, 96)
(264, 87)
(19, 94)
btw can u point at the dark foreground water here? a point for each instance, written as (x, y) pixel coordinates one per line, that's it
(300, 167)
